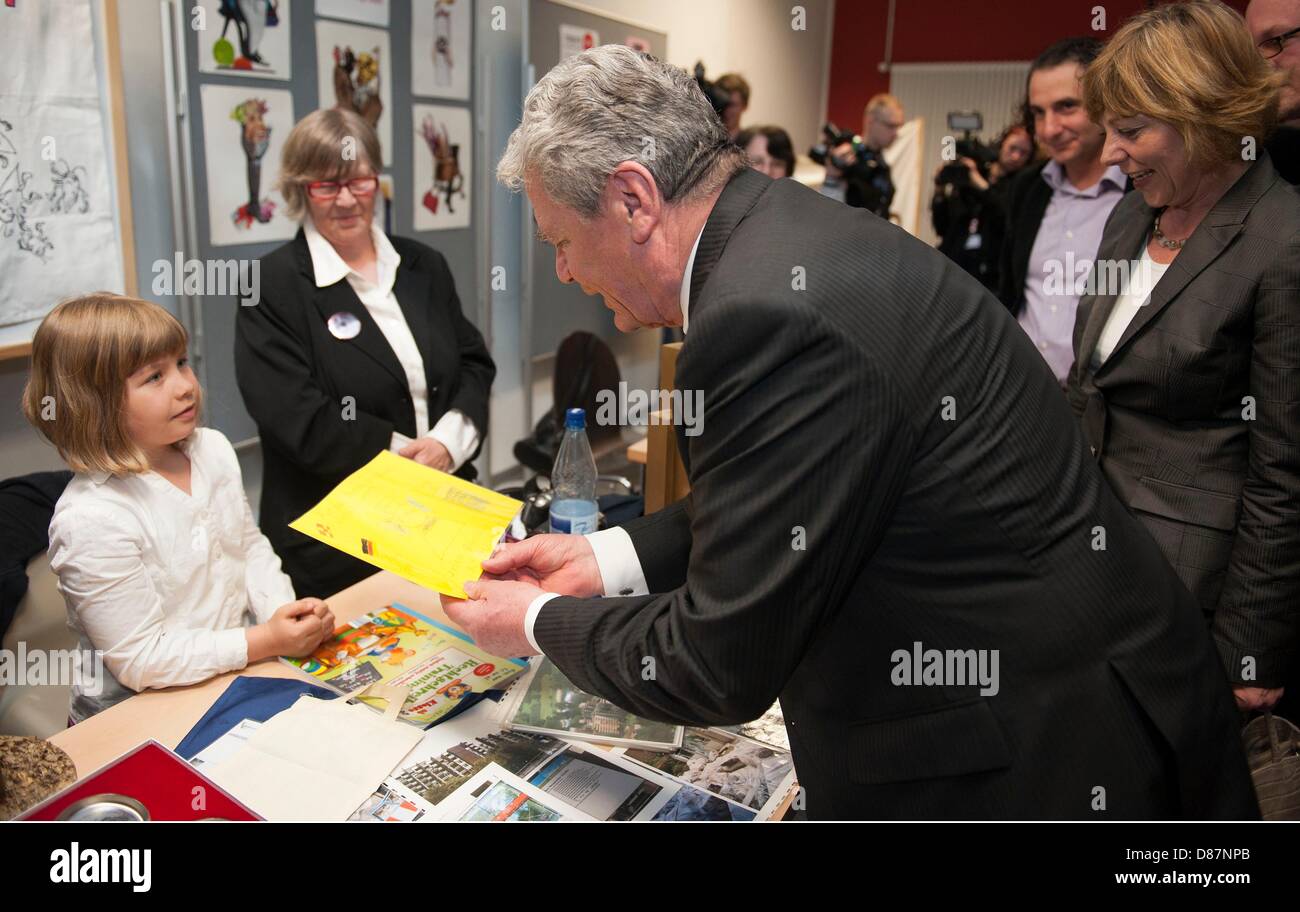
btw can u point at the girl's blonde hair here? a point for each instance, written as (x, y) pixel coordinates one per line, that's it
(82, 354)
(1194, 66)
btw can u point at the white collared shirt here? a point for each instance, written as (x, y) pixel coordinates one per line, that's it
(159, 580)
(620, 568)
(453, 430)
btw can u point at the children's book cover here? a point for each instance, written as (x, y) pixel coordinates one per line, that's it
(403, 648)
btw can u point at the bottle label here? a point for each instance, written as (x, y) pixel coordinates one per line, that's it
(574, 525)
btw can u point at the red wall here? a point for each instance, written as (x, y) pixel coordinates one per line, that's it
(950, 31)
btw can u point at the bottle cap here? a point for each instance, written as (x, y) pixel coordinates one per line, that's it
(575, 419)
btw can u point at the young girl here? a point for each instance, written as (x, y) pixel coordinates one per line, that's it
(153, 541)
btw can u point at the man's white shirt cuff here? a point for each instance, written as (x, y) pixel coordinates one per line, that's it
(531, 617)
(620, 568)
(620, 573)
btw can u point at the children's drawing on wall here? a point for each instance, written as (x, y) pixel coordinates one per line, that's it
(255, 138)
(354, 71)
(442, 156)
(242, 135)
(58, 229)
(440, 48)
(243, 37)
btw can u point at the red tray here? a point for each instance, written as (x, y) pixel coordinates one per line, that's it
(157, 778)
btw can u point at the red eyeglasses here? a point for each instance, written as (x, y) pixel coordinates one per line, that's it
(359, 186)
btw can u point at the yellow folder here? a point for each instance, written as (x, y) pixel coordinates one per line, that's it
(426, 526)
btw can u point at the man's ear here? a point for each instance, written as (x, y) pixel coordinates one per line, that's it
(636, 199)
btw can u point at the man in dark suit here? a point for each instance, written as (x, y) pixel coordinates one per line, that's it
(894, 525)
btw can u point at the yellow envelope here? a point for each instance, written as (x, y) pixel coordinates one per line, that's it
(424, 525)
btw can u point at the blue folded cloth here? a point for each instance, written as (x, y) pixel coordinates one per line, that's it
(246, 698)
(261, 698)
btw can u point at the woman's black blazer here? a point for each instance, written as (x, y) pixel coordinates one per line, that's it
(325, 406)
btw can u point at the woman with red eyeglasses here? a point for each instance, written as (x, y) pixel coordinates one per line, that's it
(357, 344)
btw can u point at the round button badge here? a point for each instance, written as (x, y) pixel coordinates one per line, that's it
(344, 325)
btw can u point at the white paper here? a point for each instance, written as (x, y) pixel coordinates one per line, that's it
(369, 78)
(442, 159)
(58, 234)
(244, 42)
(241, 153)
(494, 795)
(440, 48)
(317, 760)
(228, 744)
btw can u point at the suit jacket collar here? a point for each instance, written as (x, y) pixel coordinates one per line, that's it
(737, 198)
(1220, 226)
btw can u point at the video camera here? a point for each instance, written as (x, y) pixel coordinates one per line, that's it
(832, 138)
(717, 96)
(968, 146)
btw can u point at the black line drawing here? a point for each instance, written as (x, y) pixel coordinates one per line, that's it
(20, 200)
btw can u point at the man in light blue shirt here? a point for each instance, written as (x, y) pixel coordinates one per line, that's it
(1057, 211)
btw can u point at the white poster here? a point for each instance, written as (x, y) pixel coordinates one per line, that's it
(904, 159)
(574, 39)
(243, 38)
(440, 48)
(355, 71)
(441, 167)
(244, 130)
(58, 235)
(373, 12)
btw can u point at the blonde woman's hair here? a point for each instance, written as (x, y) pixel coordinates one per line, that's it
(82, 354)
(325, 145)
(1194, 66)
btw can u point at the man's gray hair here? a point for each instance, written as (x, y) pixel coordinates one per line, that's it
(612, 104)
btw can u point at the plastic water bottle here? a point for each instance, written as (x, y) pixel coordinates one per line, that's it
(573, 480)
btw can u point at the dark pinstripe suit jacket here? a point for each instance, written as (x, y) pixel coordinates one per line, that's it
(862, 390)
(1217, 485)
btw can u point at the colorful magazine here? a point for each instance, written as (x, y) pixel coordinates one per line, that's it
(402, 648)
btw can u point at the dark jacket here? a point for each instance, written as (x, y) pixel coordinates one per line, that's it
(26, 506)
(325, 406)
(953, 216)
(886, 460)
(1027, 200)
(1215, 481)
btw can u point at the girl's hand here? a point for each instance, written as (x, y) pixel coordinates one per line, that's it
(295, 630)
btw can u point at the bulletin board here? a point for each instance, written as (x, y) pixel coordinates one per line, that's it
(552, 309)
(241, 91)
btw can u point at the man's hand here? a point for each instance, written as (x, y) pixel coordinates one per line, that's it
(1249, 698)
(557, 563)
(427, 451)
(494, 615)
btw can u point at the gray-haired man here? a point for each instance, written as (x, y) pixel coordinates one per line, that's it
(889, 498)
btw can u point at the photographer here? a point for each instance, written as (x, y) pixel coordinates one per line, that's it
(969, 205)
(856, 171)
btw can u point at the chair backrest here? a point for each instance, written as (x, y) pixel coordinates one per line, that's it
(41, 624)
(585, 365)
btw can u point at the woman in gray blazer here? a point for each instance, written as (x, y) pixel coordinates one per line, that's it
(1187, 344)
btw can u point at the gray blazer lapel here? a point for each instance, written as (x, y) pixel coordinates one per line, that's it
(1130, 234)
(1207, 242)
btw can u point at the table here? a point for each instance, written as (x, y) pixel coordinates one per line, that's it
(167, 715)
